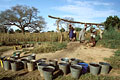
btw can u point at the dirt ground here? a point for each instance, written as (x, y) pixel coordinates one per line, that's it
(77, 50)
(74, 50)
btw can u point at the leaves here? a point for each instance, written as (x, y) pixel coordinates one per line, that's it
(22, 17)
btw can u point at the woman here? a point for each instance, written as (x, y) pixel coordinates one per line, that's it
(70, 32)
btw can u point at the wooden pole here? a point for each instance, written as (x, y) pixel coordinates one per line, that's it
(100, 24)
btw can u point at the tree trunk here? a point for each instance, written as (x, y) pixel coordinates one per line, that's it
(23, 31)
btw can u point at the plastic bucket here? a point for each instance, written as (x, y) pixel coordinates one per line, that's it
(6, 64)
(105, 67)
(75, 71)
(1, 61)
(84, 67)
(48, 73)
(40, 67)
(94, 68)
(13, 65)
(64, 67)
(30, 65)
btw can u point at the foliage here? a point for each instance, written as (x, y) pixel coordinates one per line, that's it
(77, 29)
(112, 22)
(18, 31)
(62, 30)
(3, 29)
(22, 17)
(110, 39)
(11, 31)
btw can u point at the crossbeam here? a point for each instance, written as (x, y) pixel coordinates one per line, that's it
(99, 24)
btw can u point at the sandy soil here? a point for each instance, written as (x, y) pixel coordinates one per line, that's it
(76, 50)
(73, 50)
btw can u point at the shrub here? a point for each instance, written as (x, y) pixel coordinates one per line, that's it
(110, 39)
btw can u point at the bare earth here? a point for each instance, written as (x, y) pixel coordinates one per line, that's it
(76, 50)
(73, 50)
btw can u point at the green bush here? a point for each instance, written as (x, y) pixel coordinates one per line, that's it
(111, 39)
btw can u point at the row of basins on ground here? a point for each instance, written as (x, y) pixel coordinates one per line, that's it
(50, 69)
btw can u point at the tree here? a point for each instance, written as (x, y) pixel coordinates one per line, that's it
(77, 29)
(112, 22)
(3, 29)
(22, 17)
(11, 31)
(18, 31)
(62, 30)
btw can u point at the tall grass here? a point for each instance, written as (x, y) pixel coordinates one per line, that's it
(10, 39)
(111, 39)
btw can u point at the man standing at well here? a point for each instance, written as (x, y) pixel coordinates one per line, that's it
(82, 34)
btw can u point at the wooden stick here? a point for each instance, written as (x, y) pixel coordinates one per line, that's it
(100, 24)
